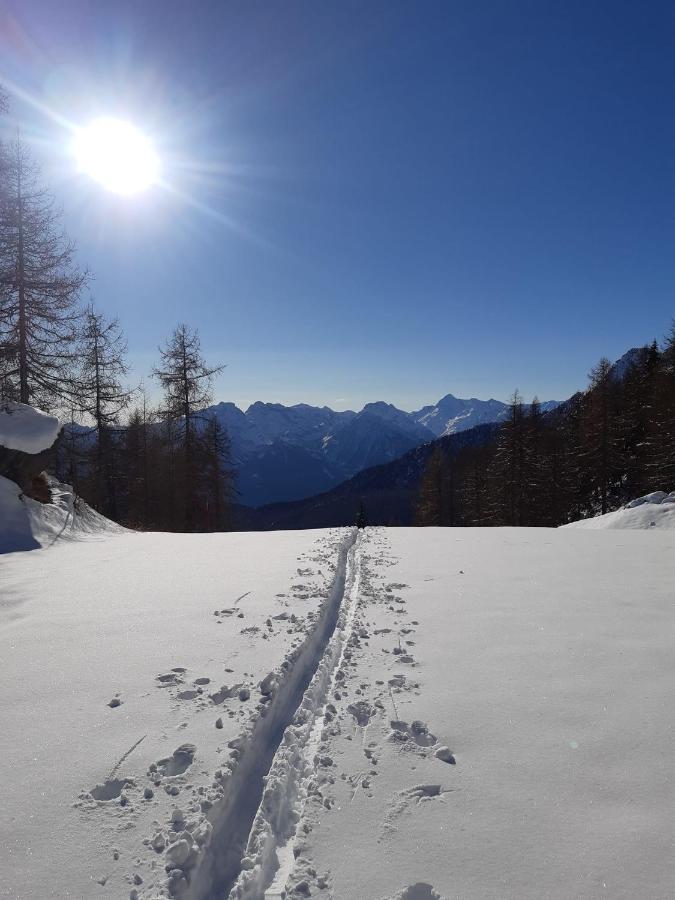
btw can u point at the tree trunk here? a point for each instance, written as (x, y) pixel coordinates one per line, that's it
(24, 393)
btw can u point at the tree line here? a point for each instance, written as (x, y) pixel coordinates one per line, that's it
(166, 467)
(605, 446)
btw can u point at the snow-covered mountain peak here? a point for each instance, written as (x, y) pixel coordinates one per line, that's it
(331, 446)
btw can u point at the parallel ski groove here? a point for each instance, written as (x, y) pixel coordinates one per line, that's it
(274, 832)
(233, 817)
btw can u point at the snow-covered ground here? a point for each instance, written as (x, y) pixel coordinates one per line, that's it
(453, 713)
(541, 661)
(180, 630)
(656, 510)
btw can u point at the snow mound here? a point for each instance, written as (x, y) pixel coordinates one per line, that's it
(26, 524)
(25, 428)
(655, 510)
(655, 497)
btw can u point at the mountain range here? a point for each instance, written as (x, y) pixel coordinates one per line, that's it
(389, 488)
(284, 453)
(388, 491)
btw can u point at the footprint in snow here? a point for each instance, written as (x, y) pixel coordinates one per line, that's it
(362, 712)
(226, 693)
(425, 792)
(416, 734)
(179, 762)
(169, 679)
(445, 755)
(414, 796)
(418, 891)
(111, 789)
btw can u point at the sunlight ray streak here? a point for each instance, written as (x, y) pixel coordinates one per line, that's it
(28, 98)
(212, 213)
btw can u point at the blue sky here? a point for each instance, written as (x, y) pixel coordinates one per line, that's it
(369, 201)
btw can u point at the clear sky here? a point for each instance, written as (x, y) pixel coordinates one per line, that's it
(369, 200)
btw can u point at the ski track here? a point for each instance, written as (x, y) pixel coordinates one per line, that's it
(281, 849)
(259, 810)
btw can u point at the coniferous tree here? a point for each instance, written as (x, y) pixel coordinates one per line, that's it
(218, 477)
(71, 453)
(186, 381)
(172, 492)
(639, 424)
(600, 446)
(664, 458)
(103, 397)
(39, 288)
(508, 472)
(431, 501)
(536, 486)
(599, 449)
(475, 486)
(142, 454)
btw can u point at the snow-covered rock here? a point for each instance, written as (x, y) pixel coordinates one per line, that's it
(25, 428)
(655, 497)
(26, 524)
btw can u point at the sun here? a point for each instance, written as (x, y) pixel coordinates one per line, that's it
(117, 155)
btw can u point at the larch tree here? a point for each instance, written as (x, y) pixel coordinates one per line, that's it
(508, 471)
(475, 490)
(638, 424)
(142, 446)
(40, 287)
(665, 457)
(431, 499)
(218, 480)
(186, 381)
(103, 397)
(600, 436)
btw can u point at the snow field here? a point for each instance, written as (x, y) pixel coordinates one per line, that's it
(406, 714)
(136, 668)
(503, 729)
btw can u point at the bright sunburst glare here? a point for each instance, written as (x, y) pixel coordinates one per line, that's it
(117, 155)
